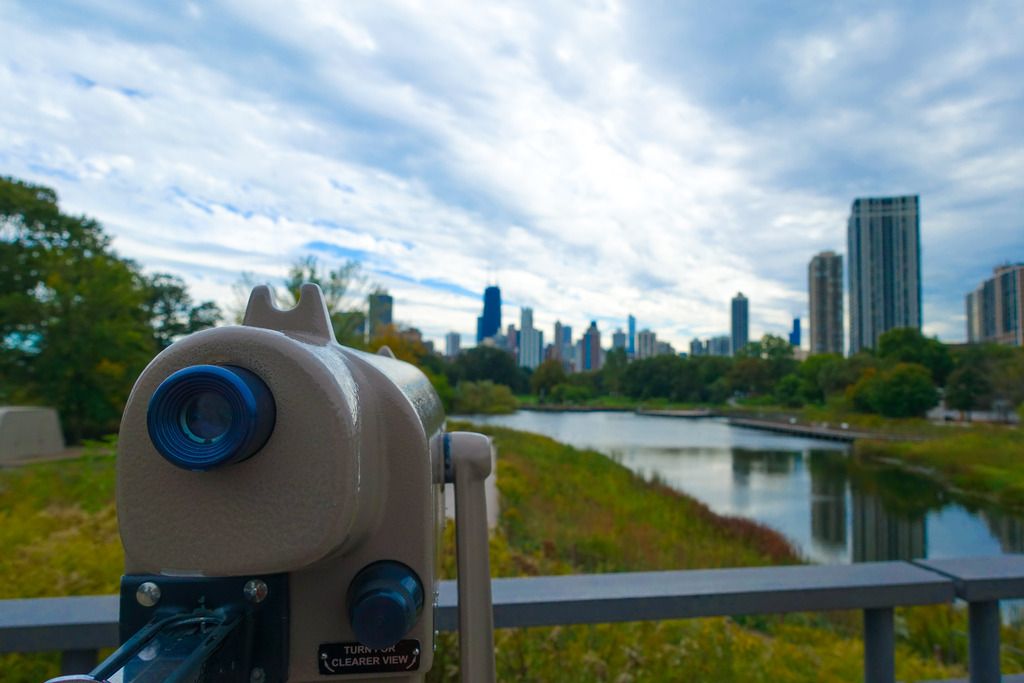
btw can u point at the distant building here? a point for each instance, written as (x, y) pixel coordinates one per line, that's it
(794, 334)
(883, 236)
(663, 348)
(619, 340)
(825, 287)
(719, 346)
(697, 348)
(645, 344)
(631, 325)
(412, 335)
(452, 342)
(379, 317)
(995, 310)
(489, 324)
(740, 322)
(512, 340)
(590, 348)
(531, 341)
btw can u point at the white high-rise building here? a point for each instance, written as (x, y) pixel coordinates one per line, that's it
(452, 344)
(646, 343)
(531, 341)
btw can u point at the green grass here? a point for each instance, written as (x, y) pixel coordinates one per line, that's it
(985, 462)
(568, 510)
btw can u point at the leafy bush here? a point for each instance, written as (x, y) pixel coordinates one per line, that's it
(484, 397)
(905, 390)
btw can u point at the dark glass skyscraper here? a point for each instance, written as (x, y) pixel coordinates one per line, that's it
(883, 235)
(488, 324)
(379, 317)
(740, 322)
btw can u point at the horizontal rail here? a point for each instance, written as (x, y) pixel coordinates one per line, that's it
(647, 596)
(78, 626)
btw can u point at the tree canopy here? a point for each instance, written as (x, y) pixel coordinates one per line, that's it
(77, 322)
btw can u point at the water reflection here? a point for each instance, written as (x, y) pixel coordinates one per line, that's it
(1009, 530)
(833, 508)
(828, 499)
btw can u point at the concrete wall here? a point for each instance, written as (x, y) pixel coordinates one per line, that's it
(29, 431)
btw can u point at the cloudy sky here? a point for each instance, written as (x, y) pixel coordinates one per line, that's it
(595, 158)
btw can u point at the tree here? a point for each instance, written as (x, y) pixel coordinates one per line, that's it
(821, 375)
(171, 311)
(908, 345)
(968, 388)
(788, 392)
(483, 397)
(904, 390)
(489, 363)
(615, 363)
(74, 317)
(547, 376)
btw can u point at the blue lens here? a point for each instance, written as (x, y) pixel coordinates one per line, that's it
(205, 416)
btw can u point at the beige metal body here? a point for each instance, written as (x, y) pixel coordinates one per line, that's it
(351, 474)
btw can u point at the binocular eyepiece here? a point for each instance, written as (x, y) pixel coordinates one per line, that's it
(280, 502)
(206, 416)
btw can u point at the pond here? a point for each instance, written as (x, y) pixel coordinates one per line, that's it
(832, 509)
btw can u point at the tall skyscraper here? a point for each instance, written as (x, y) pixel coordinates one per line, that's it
(740, 322)
(995, 310)
(619, 340)
(531, 341)
(645, 344)
(452, 342)
(697, 348)
(631, 347)
(557, 347)
(794, 334)
(825, 285)
(883, 236)
(591, 348)
(379, 316)
(489, 324)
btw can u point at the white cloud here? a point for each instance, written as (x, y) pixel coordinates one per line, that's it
(450, 145)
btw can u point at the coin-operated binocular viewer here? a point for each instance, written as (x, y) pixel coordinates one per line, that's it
(280, 500)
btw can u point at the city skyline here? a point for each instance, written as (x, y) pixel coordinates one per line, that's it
(597, 160)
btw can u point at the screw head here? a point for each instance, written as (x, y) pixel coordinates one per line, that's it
(256, 591)
(257, 675)
(147, 594)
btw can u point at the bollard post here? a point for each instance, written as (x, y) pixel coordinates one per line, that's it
(983, 655)
(879, 646)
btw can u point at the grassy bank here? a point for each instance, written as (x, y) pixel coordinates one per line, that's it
(564, 510)
(986, 462)
(567, 510)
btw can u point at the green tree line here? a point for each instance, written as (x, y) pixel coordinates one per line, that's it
(78, 322)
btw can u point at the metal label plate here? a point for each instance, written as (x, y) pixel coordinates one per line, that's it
(339, 659)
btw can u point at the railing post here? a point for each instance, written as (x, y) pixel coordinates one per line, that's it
(983, 656)
(879, 646)
(77, 661)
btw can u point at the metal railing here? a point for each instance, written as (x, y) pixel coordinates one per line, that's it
(80, 626)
